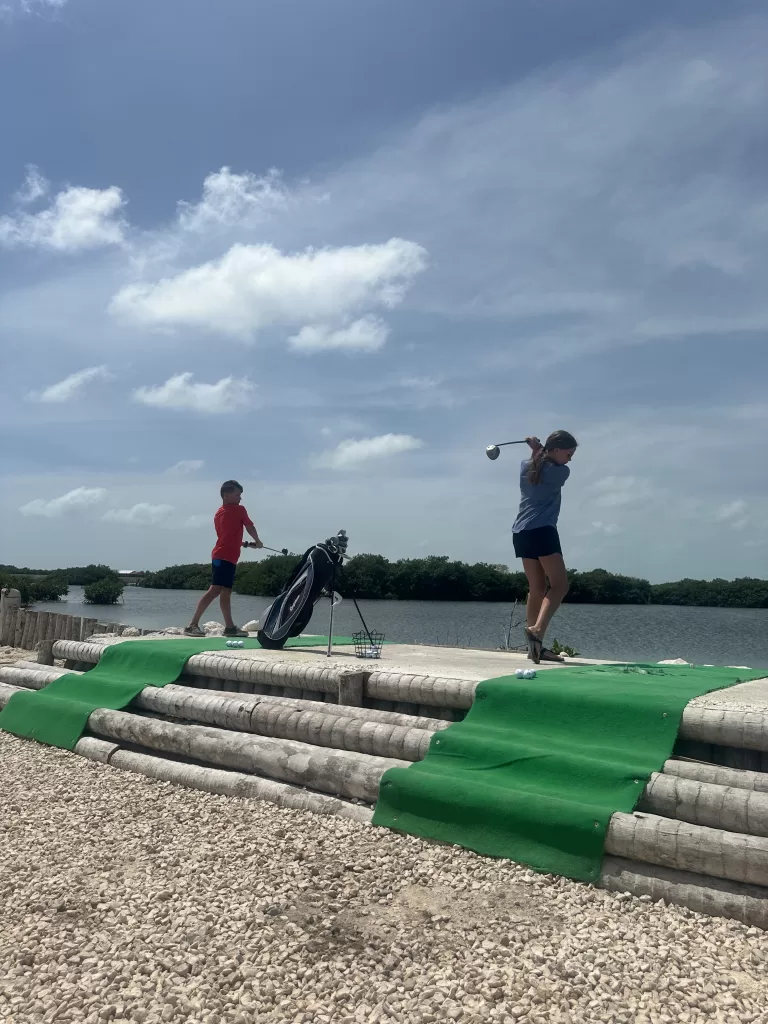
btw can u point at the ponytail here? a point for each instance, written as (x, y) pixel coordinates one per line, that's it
(536, 465)
(560, 439)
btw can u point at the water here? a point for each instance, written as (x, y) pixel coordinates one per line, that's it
(717, 636)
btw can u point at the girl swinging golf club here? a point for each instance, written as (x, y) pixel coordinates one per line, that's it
(535, 535)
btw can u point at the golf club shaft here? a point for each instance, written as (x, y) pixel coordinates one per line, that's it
(503, 443)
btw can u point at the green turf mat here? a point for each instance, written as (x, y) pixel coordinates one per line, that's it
(537, 767)
(58, 714)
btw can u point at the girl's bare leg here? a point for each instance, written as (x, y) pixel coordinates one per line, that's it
(207, 599)
(554, 568)
(537, 588)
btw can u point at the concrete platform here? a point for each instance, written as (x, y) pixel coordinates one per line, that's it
(417, 659)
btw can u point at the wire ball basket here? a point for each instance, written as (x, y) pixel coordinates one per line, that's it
(368, 644)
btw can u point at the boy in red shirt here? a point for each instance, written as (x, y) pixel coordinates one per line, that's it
(230, 521)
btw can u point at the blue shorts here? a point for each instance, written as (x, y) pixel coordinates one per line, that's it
(223, 574)
(537, 543)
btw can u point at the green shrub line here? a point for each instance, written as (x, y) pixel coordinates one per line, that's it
(374, 577)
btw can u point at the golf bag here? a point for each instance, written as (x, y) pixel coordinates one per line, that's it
(290, 612)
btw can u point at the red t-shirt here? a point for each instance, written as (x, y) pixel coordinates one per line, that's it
(229, 522)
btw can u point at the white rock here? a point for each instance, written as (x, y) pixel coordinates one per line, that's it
(252, 626)
(674, 661)
(131, 631)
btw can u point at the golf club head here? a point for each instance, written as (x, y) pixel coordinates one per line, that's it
(492, 451)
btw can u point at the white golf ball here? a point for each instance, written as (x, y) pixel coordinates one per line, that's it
(229, 643)
(520, 673)
(530, 674)
(241, 643)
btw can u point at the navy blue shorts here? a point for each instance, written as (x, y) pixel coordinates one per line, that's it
(538, 543)
(223, 574)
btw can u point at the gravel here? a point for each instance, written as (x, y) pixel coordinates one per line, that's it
(128, 900)
(10, 655)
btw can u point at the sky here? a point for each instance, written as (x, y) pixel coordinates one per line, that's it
(333, 250)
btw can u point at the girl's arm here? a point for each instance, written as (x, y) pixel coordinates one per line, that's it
(534, 444)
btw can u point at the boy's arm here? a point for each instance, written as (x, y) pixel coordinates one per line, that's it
(257, 542)
(251, 530)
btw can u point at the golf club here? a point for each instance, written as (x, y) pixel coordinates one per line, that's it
(492, 451)
(277, 551)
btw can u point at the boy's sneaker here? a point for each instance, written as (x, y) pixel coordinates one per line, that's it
(235, 631)
(194, 631)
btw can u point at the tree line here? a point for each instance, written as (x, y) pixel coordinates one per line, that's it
(434, 578)
(437, 578)
(102, 585)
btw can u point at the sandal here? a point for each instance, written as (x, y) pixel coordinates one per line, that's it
(535, 646)
(235, 631)
(194, 631)
(547, 655)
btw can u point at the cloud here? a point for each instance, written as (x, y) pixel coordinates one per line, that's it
(365, 335)
(182, 393)
(185, 467)
(9, 8)
(72, 386)
(79, 498)
(615, 491)
(141, 514)
(195, 522)
(609, 529)
(734, 514)
(253, 287)
(77, 219)
(35, 187)
(233, 200)
(353, 453)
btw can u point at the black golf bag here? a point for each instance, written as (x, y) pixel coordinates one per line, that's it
(290, 612)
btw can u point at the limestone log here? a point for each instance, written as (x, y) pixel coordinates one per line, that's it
(306, 721)
(701, 803)
(733, 777)
(339, 772)
(338, 682)
(713, 896)
(235, 784)
(286, 719)
(436, 691)
(651, 839)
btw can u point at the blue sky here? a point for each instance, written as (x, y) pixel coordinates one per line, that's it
(336, 249)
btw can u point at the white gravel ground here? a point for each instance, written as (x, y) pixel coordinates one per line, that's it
(127, 900)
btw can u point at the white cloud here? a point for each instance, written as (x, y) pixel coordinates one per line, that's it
(614, 491)
(609, 529)
(734, 514)
(80, 497)
(77, 219)
(353, 453)
(365, 335)
(253, 287)
(182, 392)
(9, 8)
(141, 514)
(196, 522)
(233, 199)
(72, 386)
(185, 467)
(35, 187)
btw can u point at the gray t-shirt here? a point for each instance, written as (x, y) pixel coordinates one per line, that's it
(540, 503)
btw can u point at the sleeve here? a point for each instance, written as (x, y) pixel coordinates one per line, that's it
(246, 519)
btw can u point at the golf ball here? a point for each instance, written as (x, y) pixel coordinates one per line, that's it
(520, 673)
(241, 643)
(530, 673)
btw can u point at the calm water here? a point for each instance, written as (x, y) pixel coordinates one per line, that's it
(718, 636)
